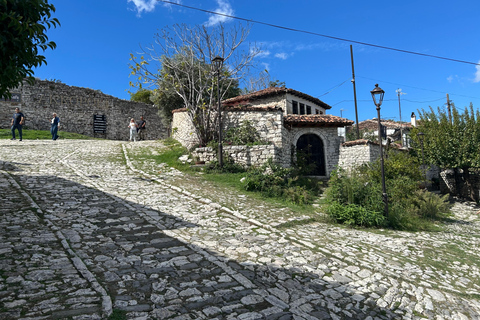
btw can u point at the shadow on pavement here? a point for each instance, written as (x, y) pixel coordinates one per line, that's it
(147, 271)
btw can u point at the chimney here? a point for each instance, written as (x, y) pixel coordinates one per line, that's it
(413, 120)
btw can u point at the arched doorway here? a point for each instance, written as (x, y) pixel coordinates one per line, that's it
(311, 146)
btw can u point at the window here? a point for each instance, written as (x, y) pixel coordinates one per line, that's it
(317, 112)
(309, 110)
(302, 108)
(294, 107)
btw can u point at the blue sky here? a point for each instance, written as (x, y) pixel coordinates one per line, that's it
(95, 40)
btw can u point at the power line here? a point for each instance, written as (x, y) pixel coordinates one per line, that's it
(334, 88)
(404, 85)
(321, 35)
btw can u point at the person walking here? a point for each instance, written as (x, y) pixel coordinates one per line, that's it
(54, 128)
(17, 123)
(141, 128)
(133, 129)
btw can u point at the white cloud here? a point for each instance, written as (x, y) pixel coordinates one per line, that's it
(477, 73)
(149, 5)
(224, 8)
(281, 55)
(263, 54)
(144, 5)
(450, 79)
(266, 66)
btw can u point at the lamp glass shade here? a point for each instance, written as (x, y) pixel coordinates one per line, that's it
(217, 63)
(377, 95)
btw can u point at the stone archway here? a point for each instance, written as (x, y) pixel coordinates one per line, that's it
(312, 146)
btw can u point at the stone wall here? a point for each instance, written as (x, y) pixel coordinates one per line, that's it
(355, 153)
(183, 129)
(76, 108)
(246, 156)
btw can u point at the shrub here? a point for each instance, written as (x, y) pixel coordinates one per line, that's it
(244, 134)
(355, 215)
(356, 198)
(229, 166)
(273, 180)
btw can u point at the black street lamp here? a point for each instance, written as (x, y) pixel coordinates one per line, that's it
(421, 137)
(378, 93)
(217, 64)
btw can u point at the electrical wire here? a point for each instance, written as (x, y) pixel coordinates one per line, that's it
(404, 85)
(320, 35)
(333, 89)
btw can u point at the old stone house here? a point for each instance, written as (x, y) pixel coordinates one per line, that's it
(288, 119)
(393, 130)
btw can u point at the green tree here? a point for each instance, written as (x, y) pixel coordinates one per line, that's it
(451, 143)
(180, 62)
(142, 95)
(23, 26)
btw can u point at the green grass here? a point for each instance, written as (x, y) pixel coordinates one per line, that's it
(41, 135)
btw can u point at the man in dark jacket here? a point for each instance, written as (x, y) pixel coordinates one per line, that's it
(17, 123)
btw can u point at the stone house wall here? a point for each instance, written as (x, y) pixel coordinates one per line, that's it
(183, 129)
(76, 108)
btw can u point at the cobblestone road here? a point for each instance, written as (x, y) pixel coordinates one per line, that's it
(87, 230)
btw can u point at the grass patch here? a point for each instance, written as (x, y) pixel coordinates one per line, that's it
(27, 134)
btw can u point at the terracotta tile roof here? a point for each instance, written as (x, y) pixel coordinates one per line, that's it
(315, 120)
(239, 108)
(372, 124)
(358, 142)
(248, 98)
(250, 108)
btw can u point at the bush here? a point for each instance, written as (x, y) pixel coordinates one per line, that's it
(245, 134)
(355, 215)
(356, 198)
(273, 180)
(229, 166)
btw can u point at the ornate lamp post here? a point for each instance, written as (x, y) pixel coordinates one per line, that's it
(421, 137)
(378, 93)
(217, 64)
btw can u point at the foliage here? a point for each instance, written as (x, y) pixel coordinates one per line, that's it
(303, 163)
(23, 26)
(229, 166)
(142, 95)
(185, 54)
(355, 198)
(273, 180)
(355, 215)
(244, 134)
(451, 143)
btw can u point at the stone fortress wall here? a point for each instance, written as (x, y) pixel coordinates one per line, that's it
(76, 107)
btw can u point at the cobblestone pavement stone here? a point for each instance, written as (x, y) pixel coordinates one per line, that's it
(87, 229)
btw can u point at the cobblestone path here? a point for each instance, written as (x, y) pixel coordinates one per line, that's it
(87, 229)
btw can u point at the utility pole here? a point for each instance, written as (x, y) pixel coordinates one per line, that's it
(449, 109)
(354, 93)
(399, 93)
(341, 114)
